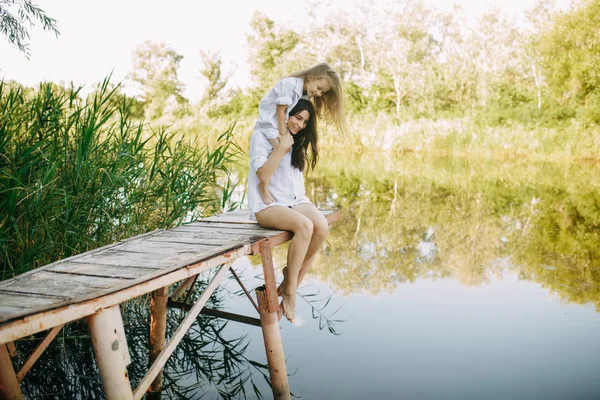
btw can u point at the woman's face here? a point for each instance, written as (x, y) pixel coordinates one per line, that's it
(298, 122)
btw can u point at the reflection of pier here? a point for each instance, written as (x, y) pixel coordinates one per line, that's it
(92, 285)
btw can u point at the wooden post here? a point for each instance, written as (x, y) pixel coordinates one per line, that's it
(9, 385)
(158, 330)
(109, 349)
(271, 300)
(268, 305)
(274, 347)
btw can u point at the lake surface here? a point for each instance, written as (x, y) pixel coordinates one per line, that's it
(457, 278)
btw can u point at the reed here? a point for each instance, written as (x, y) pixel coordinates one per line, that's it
(76, 174)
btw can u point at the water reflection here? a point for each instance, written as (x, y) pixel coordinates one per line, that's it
(207, 360)
(408, 217)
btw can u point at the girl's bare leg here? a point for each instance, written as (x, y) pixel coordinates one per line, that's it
(320, 231)
(283, 218)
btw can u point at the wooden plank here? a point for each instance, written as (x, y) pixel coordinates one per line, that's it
(78, 256)
(23, 300)
(242, 217)
(216, 230)
(39, 350)
(48, 283)
(62, 301)
(158, 247)
(226, 225)
(243, 319)
(12, 349)
(67, 311)
(102, 270)
(145, 260)
(206, 238)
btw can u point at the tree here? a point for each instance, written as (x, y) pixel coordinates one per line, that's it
(270, 48)
(213, 75)
(155, 68)
(570, 51)
(17, 17)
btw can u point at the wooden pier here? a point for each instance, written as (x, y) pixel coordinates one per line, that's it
(92, 285)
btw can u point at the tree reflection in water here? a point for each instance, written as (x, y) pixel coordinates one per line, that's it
(407, 217)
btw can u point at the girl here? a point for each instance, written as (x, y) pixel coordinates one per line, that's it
(322, 84)
(290, 210)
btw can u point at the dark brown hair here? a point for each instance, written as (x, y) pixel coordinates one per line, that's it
(304, 138)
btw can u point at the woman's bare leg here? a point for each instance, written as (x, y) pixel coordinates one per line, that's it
(283, 218)
(320, 231)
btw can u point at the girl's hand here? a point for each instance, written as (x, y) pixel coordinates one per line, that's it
(286, 142)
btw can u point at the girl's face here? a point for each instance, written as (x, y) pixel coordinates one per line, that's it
(317, 87)
(298, 122)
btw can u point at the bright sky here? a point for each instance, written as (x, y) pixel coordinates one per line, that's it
(99, 36)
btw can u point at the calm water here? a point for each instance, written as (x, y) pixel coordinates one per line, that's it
(457, 279)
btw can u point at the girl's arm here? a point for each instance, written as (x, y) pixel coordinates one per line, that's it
(267, 170)
(281, 124)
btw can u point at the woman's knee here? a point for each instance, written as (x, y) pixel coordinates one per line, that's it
(304, 228)
(320, 227)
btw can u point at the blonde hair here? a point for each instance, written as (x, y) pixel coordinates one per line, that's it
(330, 106)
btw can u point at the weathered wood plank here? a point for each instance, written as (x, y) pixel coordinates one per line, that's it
(99, 249)
(216, 230)
(144, 260)
(242, 217)
(39, 350)
(210, 237)
(157, 247)
(18, 325)
(14, 299)
(190, 239)
(102, 270)
(46, 282)
(225, 225)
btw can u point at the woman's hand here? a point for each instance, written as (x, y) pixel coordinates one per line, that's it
(286, 142)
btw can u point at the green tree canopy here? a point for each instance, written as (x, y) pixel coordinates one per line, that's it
(155, 68)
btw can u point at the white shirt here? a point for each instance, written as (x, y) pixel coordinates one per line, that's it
(287, 92)
(286, 184)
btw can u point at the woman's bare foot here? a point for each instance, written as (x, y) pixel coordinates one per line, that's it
(265, 195)
(283, 282)
(288, 303)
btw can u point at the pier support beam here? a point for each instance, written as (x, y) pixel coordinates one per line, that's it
(268, 305)
(158, 330)
(9, 385)
(105, 328)
(274, 347)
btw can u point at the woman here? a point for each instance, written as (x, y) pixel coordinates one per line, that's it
(283, 166)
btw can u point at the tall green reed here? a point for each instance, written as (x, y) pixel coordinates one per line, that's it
(76, 174)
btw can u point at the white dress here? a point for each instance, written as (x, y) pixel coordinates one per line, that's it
(287, 92)
(286, 184)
